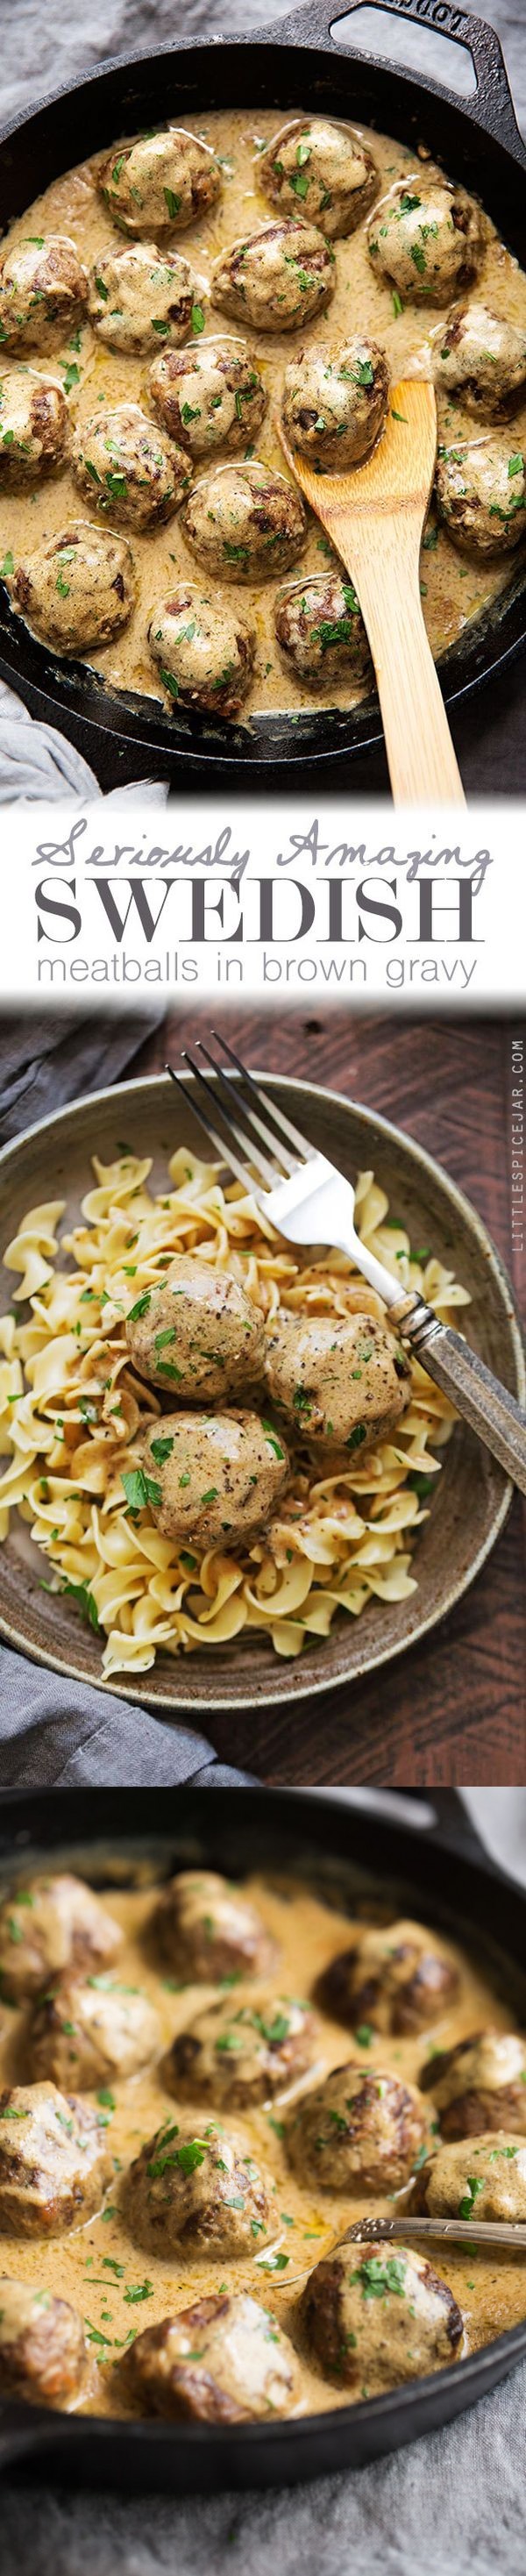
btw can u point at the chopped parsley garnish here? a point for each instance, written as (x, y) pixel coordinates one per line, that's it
(140, 1489)
(161, 1449)
(467, 2204)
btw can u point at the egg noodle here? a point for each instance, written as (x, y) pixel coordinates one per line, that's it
(73, 1412)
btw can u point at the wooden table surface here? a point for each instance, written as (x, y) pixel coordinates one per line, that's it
(454, 1707)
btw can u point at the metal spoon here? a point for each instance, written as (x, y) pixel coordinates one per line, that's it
(508, 2236)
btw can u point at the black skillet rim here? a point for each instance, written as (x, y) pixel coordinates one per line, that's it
(102, 722)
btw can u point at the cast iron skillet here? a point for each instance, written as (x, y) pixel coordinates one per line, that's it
(445, 1878)
(477, 139)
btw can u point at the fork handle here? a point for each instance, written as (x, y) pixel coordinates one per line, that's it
(489, 1408)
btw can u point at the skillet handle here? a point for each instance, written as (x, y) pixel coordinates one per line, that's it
(452, 1823)
(492, 105)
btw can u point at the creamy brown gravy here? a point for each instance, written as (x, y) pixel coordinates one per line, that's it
(491, 2292)
(455, 590)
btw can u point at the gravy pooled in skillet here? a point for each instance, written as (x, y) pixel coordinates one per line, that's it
(251, 2071)
(177, 293)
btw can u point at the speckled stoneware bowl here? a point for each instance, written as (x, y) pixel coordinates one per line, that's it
(54, 1161)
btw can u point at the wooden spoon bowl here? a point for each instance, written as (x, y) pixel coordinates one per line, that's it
(374, 516)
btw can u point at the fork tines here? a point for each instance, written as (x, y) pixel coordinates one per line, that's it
(230, 1120)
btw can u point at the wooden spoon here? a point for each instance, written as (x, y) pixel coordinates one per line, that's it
(374, 517)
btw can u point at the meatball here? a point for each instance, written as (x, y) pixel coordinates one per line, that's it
(77, 590)
(204, 654)
(244, 2055)
(426, 237)
(199, 1333)
(128, 468)
(140, 296)
(480, 2084)
(357, 2132)
(223, 2361)
(43, 291)
(34, 428)
(83, 2034)
(481, 495)
(197, 2194)
(160, 183)
(340, 1379)
(277, 278)
(49, 1926)
(487, 2180)
(222, 1478)
(54, 2163)
(374, 2318)
(208, 397)
(244, 523)
(324, 169)
(395, 1978)
(320, 630)
(207, 1930)
(482, 359)
(43, 2353)
(335, 401)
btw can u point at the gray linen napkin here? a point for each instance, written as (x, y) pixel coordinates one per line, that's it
(57, 1734)
(46, 1062)
(36, 763)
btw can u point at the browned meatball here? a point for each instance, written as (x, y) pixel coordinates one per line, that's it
(320, 631)
(480, 2084)
(49, 1925)
(241, 2055)
(480, 487)
(207, 1929)
(141, 297)
(34, 428)
(204, 653)
(160, 183)
(78, 589)
(197, 2192)
(342, 1380)
(43, 291)
(222, 2361)
(84, 2034)
(199, 1333)
(127, 468)
(482, 359)
(219, 1481)
(395, 1978)
(376, 2317)
(464, 2180)
(277, 278)
(54, 2162)
(244, 523)
(357, 2132)
(43, 2355)
(323, 170)
(335, 401)
(426, 237)
(208, 396)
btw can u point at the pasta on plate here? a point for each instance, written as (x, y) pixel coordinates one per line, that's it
(73, 1414)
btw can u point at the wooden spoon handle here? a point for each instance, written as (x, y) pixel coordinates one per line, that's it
(423, 767)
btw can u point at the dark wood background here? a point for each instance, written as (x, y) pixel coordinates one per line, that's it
(454, 1708)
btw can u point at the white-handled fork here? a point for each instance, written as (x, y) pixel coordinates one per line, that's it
(309, 1202)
